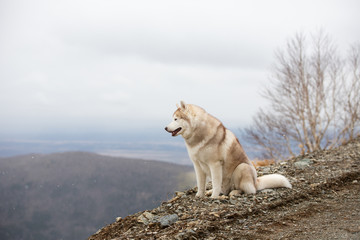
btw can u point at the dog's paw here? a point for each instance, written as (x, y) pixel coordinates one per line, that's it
(199, 195)
(234, 193)
(208, 193)
(215, 196)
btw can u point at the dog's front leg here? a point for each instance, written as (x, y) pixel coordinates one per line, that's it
(200, 180)
(216, 178)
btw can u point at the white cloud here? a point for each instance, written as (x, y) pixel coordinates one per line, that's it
(124, 64)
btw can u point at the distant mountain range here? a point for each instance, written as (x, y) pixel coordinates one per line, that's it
(173, 151)
(168, 151)
(71, 195)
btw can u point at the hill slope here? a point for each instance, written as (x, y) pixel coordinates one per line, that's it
(70, 195)
(323, 204)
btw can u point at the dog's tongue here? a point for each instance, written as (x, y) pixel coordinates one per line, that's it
(175, 132)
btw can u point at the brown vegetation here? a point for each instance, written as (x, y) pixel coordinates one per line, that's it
(262, 163)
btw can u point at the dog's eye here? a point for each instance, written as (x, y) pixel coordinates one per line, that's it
(175, 119)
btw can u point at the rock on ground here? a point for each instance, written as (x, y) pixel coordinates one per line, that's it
(323, 204)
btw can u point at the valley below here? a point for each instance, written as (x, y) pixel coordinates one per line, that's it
(72, 194)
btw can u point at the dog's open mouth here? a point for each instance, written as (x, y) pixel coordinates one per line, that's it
(175, 132)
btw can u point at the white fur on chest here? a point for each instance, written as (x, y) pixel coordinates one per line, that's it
(201, 155)
(202, 152)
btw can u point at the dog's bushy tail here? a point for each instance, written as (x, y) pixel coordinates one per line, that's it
(272, 181)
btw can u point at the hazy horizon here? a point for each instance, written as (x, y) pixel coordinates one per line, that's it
(106, 75)
(151, 145)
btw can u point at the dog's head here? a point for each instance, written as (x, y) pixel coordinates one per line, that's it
(181, 121)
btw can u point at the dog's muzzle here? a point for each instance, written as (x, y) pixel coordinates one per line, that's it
(173, 133)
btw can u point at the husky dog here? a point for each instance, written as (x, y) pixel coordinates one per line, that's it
(217, 153)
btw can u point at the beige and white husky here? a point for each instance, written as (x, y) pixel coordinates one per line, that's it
(217, 153)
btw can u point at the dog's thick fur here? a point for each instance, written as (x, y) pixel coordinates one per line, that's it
(217, 153)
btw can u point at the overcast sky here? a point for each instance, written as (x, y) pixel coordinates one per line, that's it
(123, 65)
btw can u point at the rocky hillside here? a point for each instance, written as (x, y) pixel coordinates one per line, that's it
(323, 204)
(71, 195)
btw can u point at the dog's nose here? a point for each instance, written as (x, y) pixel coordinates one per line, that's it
(166, 129)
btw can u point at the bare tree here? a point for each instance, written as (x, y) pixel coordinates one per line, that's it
(351, 101)
(314, 99)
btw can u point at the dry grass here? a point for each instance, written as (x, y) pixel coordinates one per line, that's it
(262, 162)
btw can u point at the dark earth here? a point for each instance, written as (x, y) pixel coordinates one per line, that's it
(323, 204)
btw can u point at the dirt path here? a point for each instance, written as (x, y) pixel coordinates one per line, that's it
(323, 204)
(333, 215)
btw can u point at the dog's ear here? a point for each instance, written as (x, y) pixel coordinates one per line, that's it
(183, 105)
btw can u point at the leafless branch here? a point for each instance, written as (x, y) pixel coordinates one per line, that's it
(314, 99)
